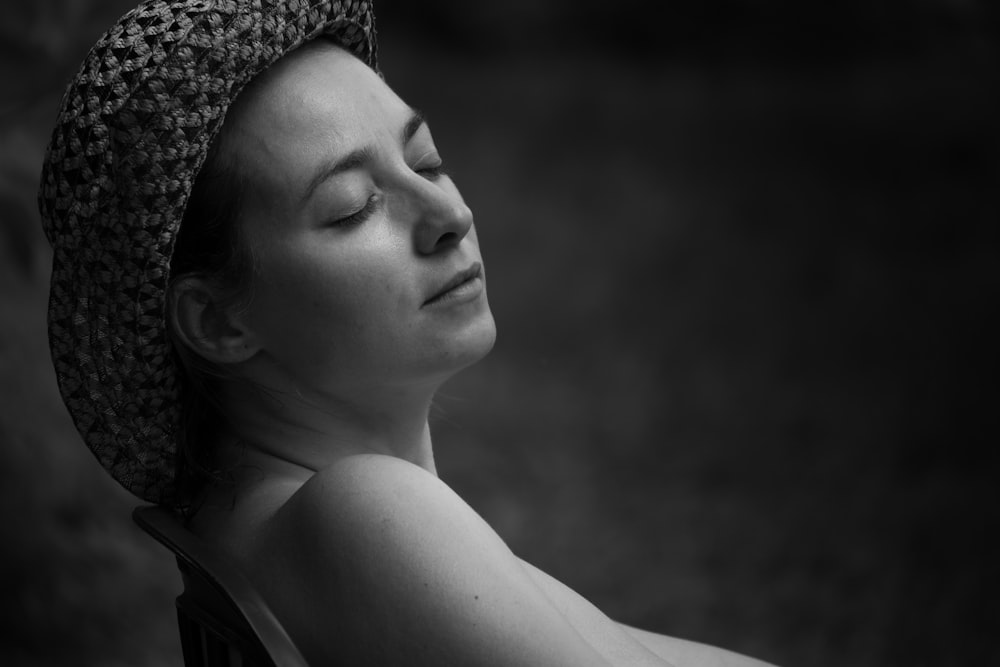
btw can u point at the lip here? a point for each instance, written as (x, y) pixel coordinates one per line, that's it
(463, 285)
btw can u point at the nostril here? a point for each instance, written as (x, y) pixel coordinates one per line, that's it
(448, 238)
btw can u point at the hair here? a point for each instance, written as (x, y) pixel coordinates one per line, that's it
(211, 246)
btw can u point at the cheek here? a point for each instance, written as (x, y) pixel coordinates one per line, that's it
(338, 304)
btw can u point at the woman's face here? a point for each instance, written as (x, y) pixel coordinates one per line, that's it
(368, 271)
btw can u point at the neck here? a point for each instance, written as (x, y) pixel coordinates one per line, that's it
(290, 433)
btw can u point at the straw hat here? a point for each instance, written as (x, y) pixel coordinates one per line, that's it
(133, 130)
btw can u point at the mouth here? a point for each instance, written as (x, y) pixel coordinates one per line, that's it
(461, 283)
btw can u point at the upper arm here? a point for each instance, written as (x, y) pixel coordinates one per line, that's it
(378, 558)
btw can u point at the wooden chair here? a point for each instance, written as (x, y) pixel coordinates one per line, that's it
(223, 621)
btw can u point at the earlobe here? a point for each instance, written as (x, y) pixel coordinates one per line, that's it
(210, 329)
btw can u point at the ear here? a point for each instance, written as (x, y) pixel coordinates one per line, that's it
(205, 323)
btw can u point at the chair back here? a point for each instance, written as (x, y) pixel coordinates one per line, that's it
(223, 621)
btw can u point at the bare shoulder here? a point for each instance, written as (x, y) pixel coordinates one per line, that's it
(389, 516)
(377, 561)
(362, 492)
(383, 553)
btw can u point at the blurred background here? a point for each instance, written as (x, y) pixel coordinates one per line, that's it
(742, 256)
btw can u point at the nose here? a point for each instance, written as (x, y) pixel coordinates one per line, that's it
(442, 217)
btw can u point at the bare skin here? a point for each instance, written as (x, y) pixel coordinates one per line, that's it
(337, 514)
(413, 576)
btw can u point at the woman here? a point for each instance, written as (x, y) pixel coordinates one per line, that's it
(249, 321)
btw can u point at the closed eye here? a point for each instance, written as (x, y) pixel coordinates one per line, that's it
(360, 215)
(429, 165)
(431, 172)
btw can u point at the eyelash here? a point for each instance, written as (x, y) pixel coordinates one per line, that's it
(432, 173)
(360, 215)
(365, 212)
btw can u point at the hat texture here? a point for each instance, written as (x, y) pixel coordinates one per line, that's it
(132, 133)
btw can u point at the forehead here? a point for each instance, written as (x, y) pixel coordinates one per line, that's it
(315, 103)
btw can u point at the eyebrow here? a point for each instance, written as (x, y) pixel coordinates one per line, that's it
(361, 156)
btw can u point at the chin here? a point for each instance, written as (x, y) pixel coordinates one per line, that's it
(466, 347)
(477, 341)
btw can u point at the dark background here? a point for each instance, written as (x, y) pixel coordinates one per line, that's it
(743, 259)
